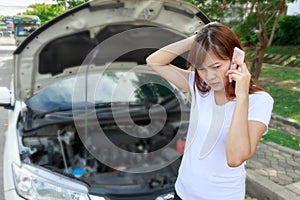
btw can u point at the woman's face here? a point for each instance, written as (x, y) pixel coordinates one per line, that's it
(213, 72)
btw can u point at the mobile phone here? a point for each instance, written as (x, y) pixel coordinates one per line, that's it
(238, 56)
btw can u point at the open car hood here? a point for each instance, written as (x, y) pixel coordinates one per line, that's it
(59, 48)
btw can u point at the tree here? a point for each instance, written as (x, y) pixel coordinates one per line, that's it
(46, 12)
(213, 9)
(266, 12)
(68, 4)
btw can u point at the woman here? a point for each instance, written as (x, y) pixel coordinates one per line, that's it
(229, 113)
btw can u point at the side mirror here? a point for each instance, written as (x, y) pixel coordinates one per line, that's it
(5, 97)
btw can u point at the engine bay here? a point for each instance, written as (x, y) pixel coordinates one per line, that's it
(59, 147)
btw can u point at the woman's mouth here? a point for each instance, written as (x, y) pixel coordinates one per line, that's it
(214, 84)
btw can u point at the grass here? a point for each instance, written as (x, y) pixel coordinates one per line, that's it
(282, 139)
(284, 50)
(284, 86)
(283, 83)
(280, 50)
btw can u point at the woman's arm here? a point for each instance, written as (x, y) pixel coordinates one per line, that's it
(244, 135)
(160, 61)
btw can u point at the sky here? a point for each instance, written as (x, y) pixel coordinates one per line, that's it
(12, 7)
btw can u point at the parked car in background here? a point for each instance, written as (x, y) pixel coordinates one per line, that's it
(87, 118)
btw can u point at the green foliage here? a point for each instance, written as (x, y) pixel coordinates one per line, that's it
(68, 4)
(288, 31)
(212, 9)
(284, 50)
(283, 139)
(246, 30)
(74, 3)
(46, 12)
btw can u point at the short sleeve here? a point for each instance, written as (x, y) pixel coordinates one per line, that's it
(260, 108)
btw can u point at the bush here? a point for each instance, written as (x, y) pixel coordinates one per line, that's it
(288, 31)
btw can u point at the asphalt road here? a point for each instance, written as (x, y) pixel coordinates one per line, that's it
(7, 46)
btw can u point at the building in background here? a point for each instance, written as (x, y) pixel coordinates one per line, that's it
(294, 8)
(6, 26)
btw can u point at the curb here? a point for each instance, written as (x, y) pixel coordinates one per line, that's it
(264, 189)
(282, 60)
(289, 126)
(283, 149)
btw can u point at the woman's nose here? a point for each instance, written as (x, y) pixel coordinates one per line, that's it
(210, 74)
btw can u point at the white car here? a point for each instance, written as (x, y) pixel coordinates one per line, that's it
(87, 118)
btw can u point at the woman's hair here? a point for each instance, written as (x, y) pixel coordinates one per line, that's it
(220, 40)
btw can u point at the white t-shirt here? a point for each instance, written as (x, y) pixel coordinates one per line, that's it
(204, 173)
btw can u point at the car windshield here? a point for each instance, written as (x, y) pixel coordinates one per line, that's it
(110, 87)
(23, 31)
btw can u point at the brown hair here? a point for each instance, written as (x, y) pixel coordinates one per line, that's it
(220, 40)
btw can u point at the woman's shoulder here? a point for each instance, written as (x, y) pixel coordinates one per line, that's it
(261, 96)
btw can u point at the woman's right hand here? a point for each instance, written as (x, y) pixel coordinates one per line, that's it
(242, 77)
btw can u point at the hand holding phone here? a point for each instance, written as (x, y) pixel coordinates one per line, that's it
(238, 57)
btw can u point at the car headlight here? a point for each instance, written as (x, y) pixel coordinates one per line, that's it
(98, 197)
(168, 196)
(36, 183)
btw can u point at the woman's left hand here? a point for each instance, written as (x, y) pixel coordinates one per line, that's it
(241, 76)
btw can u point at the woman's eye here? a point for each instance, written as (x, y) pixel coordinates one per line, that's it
(216, 66)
